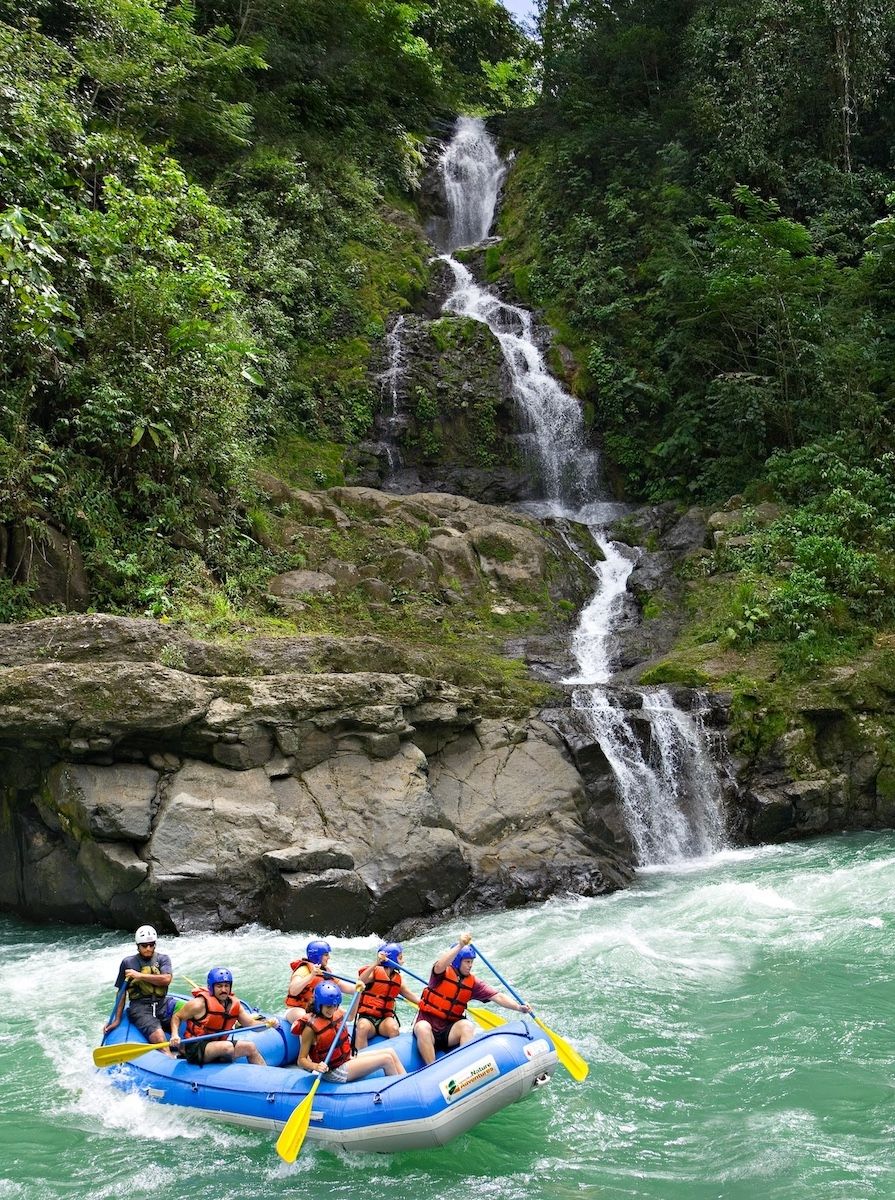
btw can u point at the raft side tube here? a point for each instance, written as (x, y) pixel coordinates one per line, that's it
(426, 1108)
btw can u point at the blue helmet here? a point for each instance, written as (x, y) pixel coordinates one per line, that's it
(463, 952)
(316, 950)
(219, 975)
(392, 950)
(326, 993)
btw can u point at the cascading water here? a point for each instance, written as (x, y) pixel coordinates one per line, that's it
(390, 383)
(666, 781)
(552, 418)
(471, 174)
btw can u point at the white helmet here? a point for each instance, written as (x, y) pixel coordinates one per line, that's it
(145, 934)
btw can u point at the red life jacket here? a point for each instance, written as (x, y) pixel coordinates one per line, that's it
(218, 1017)
(324, 1035)
(379, 996)
(446, 1000)
(306, 995)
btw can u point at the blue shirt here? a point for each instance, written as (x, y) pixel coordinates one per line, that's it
(136, 962)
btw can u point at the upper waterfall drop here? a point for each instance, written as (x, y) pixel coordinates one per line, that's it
(471, 173)
(555, 437)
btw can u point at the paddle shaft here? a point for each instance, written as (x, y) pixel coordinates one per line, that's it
(567, 1055)
(121, 1052)
(207, 1037)
(494, 971)
(114, 1013)
(482, 1018)
(397, 966)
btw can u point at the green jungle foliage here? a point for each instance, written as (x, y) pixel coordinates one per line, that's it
(206, 218)
(203, 228)
(703, 205)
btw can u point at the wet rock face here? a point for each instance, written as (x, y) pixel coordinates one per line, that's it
(654, 613)
(449, 415)
(832, 768)
(198, 797)
(49, 562)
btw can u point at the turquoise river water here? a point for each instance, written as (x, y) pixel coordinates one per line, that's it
(736, 1012)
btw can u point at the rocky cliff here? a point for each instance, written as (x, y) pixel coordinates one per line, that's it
(312, 782)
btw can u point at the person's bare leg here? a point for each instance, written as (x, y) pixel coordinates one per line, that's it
(425, 1041)
(250, 1051)
(362, 1033)
(366, 1064)
(460, 1033)
(156, 1037)
(219, 1052)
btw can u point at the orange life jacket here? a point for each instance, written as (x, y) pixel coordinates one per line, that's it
(306, 995)
(324, 1035)
(446, 1000)
(219, 1018)
(379, 995)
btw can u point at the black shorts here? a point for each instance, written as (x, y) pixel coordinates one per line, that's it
(193, 1053)
(377, 1021)
(441, 1037)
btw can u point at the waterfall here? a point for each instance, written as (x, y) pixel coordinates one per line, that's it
(471, 174)
(667, 784)
(390, 383)
(554, 427)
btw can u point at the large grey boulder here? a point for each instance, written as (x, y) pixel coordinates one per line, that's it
(111, 803)
(154, 784)
(516, 800)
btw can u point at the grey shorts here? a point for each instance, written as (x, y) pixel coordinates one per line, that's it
(336, 1075)
(147, 1015)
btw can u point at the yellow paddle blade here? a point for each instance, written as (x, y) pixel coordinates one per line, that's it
(108, 1056)
(570, 1059)
(485, 1019)
(293, 1132)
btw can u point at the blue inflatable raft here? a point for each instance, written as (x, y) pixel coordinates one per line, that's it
(427, 1107)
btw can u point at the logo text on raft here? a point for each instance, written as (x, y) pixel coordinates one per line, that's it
(477, 1073)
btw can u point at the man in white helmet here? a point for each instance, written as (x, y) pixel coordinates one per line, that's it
(148, 976)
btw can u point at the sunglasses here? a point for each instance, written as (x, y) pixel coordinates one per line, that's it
(140, 944)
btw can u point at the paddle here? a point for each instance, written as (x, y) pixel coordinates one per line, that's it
(484, 1020)
(108, 1056)
(293, 1132)
(114, 1011)
(570, 1058)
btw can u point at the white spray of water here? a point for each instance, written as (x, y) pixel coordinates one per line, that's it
(666, 781)
(590, 641)
(552, 418)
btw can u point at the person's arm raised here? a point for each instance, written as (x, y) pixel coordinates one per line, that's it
(445, 959)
